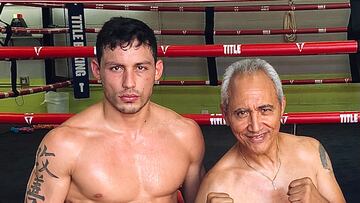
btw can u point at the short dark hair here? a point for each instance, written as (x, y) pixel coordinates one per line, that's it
(120, 31)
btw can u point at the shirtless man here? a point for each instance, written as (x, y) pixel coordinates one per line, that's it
(125, 148)
(265, 165)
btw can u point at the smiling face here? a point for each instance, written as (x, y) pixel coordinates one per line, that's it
(128, 76)
(254, 111)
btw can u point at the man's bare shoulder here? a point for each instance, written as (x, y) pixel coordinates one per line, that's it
(64, 144)
(303, 146)
(63, 137)
(174, 120)
(227, 169)
(221, 176)
(302, 141)
(74, 132)
(88, 118)
(185, 130)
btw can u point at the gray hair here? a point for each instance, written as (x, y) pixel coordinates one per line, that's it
(249, 66)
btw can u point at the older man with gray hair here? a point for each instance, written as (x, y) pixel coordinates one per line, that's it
(265, 165)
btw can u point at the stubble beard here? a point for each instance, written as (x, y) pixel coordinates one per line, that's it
(127, 108)
(131, 108)
(124, 108)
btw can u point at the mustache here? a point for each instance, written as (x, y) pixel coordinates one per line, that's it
(255, 134)
(129, 91)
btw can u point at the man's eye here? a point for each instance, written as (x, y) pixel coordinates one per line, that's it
(266, 110)
(141, 67)
(115, 68)
(241, 114)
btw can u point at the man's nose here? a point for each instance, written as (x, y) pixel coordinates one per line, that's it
(128, 79)
(254, 122)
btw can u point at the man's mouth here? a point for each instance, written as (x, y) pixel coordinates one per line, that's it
(257, 137)
(129, 98)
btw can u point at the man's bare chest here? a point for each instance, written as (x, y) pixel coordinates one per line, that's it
(129, 170)
(252, 186)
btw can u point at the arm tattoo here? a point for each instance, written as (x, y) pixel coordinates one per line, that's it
(323, 157)
(33, 191)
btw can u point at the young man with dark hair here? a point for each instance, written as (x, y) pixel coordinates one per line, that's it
(124, 148)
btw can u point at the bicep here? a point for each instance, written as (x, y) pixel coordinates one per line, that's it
(192, 181)
(195, 170)
(210, 184)
(50, 177)
(42, 188)
(326, 180)
(202, 192)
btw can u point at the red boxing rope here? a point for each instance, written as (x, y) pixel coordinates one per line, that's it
(45, 30)
(275, 49)
(189, 32)
(19, 52)
(124, 1)
(316, 81)
(293, 7)
(35, 89)
(225, 50)
(46, 5)
(284, 82)
(173, 82)
(277, 31)
(297, 7)
(287, 118)
(201, 119)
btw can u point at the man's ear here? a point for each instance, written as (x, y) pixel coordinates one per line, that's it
(224, 113)
(95, 68)
(159, 67)
(283, 105)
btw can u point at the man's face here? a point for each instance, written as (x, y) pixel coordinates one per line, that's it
(254, 111)
(128, 76)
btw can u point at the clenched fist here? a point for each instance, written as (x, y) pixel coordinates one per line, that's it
(304, 191)
(219, 197)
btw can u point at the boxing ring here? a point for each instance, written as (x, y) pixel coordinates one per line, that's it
(338, 131)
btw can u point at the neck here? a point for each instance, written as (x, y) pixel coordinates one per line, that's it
(269, 172)
(118, 121)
